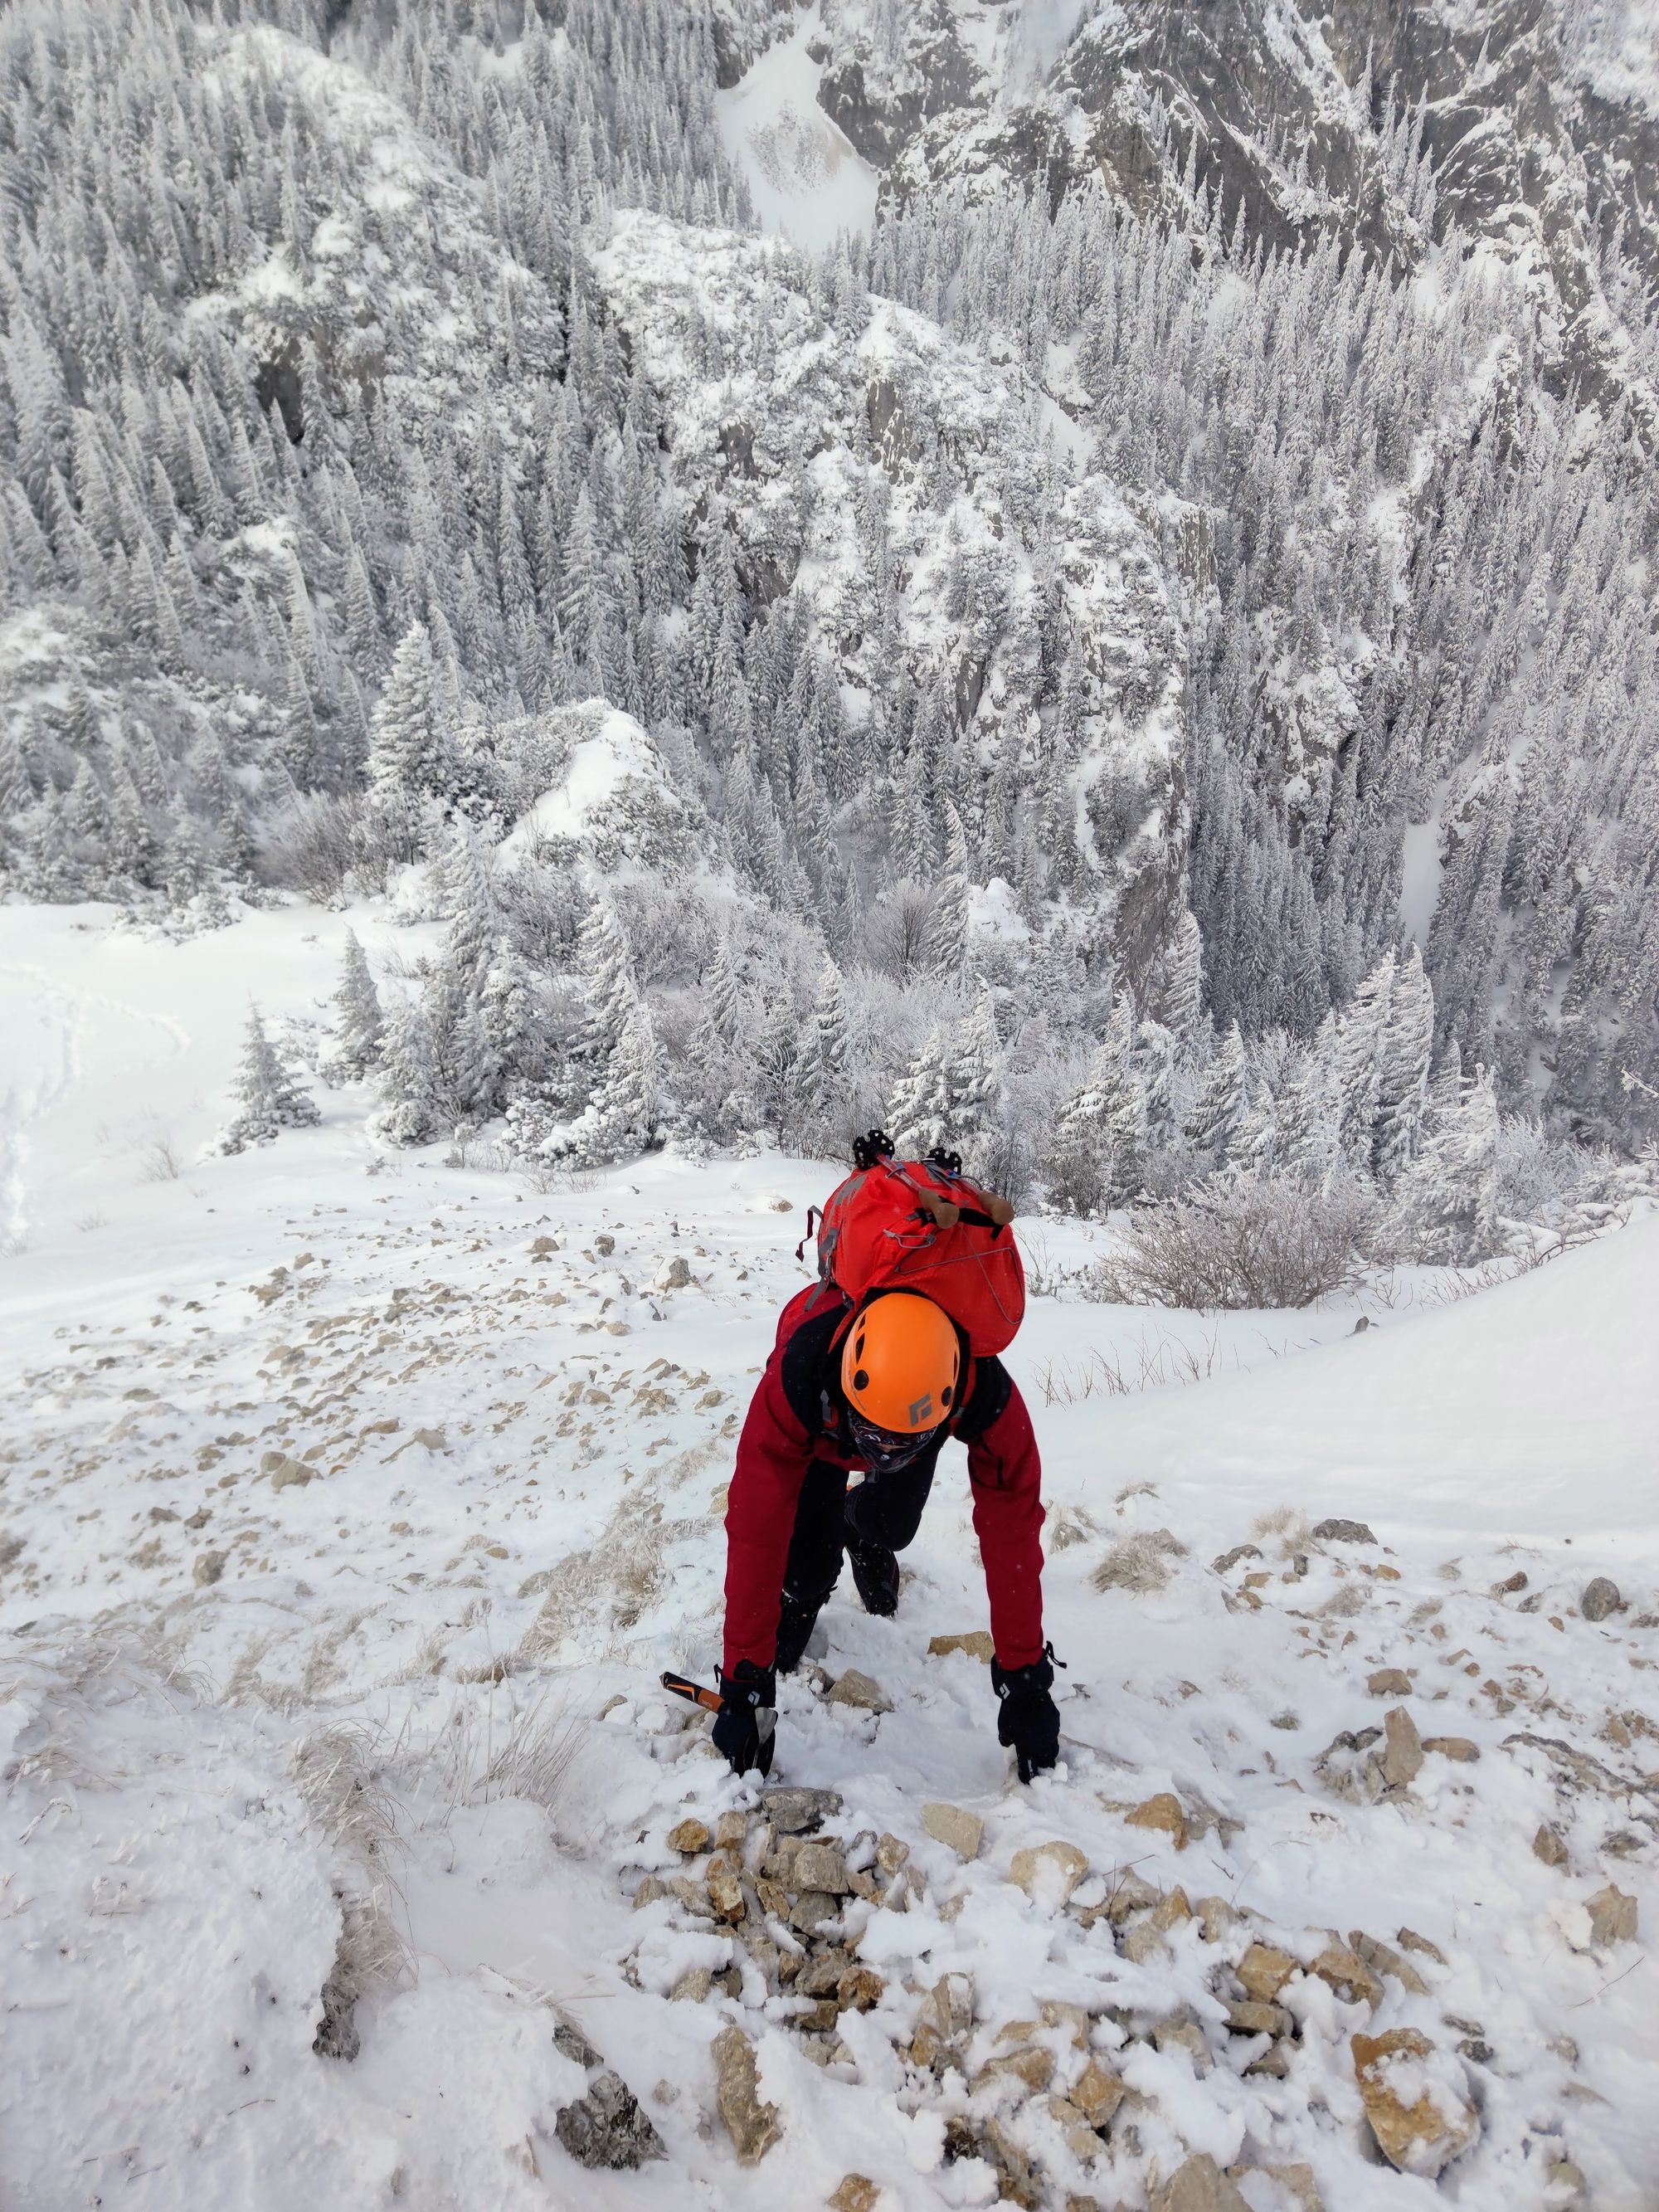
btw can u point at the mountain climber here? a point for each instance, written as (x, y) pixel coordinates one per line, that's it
(876, 1388)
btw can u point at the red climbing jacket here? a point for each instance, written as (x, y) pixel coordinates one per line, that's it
(795, 1418)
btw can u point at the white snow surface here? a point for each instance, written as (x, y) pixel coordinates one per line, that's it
(804, 176)
(518, 1448)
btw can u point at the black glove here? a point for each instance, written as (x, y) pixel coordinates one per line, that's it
(1027, 1720)
(744, 1725)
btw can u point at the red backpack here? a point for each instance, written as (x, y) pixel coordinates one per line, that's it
(922, 1225)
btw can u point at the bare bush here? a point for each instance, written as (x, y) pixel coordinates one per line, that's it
(158, 1158)
(315, 843)
(1237, 1245)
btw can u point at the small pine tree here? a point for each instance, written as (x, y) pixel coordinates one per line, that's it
(259, 1089)
(362, 1024)
(409, 1077)
(919, 1114)
(411, 748)
(621, 1117)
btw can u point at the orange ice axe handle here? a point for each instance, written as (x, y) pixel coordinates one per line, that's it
(694, 1693)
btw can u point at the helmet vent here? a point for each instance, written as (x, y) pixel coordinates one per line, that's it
(860, 1381)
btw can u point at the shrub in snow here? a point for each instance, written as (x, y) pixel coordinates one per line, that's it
(1245, 1243)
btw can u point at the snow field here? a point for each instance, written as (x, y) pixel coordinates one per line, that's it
(342, 1496)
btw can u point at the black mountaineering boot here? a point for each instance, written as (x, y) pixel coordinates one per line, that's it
(796, 1618)
(875, 1571)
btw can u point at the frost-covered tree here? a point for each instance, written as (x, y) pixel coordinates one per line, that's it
(257, 1082)
(413, 1112)
(360, 1024)
(269, 1096)
(1223, 1099)
(411, 754)
(1447, 1210)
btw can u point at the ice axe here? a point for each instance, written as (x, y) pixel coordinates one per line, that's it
(697, 1693)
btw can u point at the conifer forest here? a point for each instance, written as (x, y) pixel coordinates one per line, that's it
(1133, 656)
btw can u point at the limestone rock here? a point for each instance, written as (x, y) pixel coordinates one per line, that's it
(856, 2194)
(1170, 1911)
(1613, 1917)
(690, 1836)
(859, 1691)
(813, 1909)
(1342, 1532)
(1599, 1599)
(1264, 1970)
(949, 1824)
(724, 1888)
(1547, 1845)
(943, 2019)
(1216, 1915)
(1096, 2093)
(692, 1895)
(1162, 1813)
(649, 1891)
(1421, 2136)
(892, 1852)
(753, 2126)
(604, 2127)
(693, 1986)
(821, 1866)
(1049, 1872)
(210, 1566)
(1401, 1761)
(1030, 2064)
(1409, 1939)
(1390, 1682)
(975, 1642)
(1184, 2035)
(1382, 1960)
(860, 1989)
(1129, 1893)
(1142, 1944)
(794, 1811)
(674, 1274)
(1297, 2181)
(1020, 2185)
(1347, 1973)
(285, 1473)
(1457, 1747)
(731, 1832)
(1252, 2016)
(1072, 2017)
(1199, 2186)
(819, 1977)
(1229, 1561)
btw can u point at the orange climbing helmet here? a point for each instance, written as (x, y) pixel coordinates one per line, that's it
(901, 1365)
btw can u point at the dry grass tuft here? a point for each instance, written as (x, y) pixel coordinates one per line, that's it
(1143, 1562)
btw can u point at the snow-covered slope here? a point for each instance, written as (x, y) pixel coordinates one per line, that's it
(350, 1507)
(1511, 1410)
